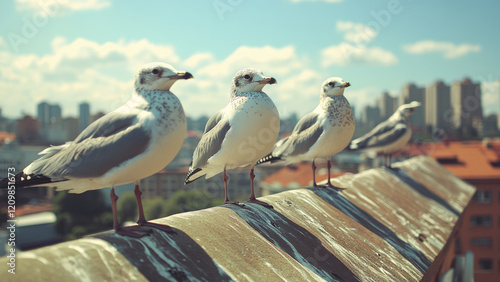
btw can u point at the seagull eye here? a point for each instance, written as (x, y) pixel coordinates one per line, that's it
(247, 76)
(332, 84)
(155, 71)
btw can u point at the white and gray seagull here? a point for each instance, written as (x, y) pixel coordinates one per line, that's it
(135, 141)
(240, 133)
(320, 134)
(389, 136)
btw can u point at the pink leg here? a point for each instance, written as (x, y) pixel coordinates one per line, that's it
(225, 177)
(142, 219)
(124, 231)
(252, 198)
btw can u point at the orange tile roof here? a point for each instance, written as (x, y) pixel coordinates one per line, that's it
(299, 175)
(466, 159)
(7, 136)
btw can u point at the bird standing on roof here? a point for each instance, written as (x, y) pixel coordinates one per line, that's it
(320, 134)
(240, 133)
(389, 136)
(133, 142)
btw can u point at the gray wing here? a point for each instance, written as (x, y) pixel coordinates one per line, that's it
(211, 141)
(388, 137)
(107, 125)
(214, 120)
(106, 144)
(380, 129)
(382, 135)
(304, 135)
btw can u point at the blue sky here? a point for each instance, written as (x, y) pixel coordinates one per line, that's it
(71, 51)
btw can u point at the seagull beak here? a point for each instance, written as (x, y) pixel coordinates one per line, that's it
(183, 75)
(345, 84)
(268, 80)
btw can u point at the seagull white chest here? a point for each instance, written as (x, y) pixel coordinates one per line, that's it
(254, 121)
(338, 127)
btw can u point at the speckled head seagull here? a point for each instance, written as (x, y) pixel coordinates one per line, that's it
(320, 134)
(389, 136)
(135, 141)
(240, 133)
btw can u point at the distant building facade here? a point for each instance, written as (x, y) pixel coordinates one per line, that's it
(387, 105)
(467, 107)
(438, 112)
(409, 93)
(84, 115)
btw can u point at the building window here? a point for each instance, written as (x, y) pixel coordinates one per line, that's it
(480, 220)
(481, 241)
(485, 264)
(482, 196)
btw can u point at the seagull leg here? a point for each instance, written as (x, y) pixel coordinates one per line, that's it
(329, 179)
(225, 177)
(124, 231)
(314, 176)
(142, 219)
(252, 198)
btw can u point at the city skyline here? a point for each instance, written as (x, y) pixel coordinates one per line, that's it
(50, 50)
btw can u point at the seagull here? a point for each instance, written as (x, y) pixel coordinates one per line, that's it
(238, 134)
(389, 136)
(133, 142)
(320, 134)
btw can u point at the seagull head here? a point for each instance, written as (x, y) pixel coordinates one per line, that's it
(407, 109)
(334, 86)
(159, 76)
(250, 80)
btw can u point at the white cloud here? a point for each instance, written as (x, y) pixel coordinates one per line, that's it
(356, 32)
(56, 6)
(447, 49)
(272, 61)
(76, 71)
(348, 54)
(102, 74)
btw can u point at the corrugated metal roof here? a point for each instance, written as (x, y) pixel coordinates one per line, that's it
(389, 225)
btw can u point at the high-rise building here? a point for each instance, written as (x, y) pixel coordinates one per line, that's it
(48, 114)
(43, 115)
(467, 108)
(27, 130)
(410, 93)
(387, 105)
(84, 112)
(438, 112)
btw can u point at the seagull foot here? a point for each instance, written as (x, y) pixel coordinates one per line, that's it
(158, 226)
(335, 187)
(264, 204)
(234, 203)
(128, 231)
(319, 186)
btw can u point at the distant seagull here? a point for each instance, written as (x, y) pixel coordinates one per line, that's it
(320, 134)
(133, 142)
(389, 136)
(240, 133)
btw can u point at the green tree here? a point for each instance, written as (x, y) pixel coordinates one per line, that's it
(81, 214)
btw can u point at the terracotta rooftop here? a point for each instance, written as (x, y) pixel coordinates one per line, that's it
(466, 159)
(389, 225)
(298, 175)
(4, 136)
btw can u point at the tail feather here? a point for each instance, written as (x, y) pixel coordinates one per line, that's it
(192, 172)
(269, 158)
(26, 180)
